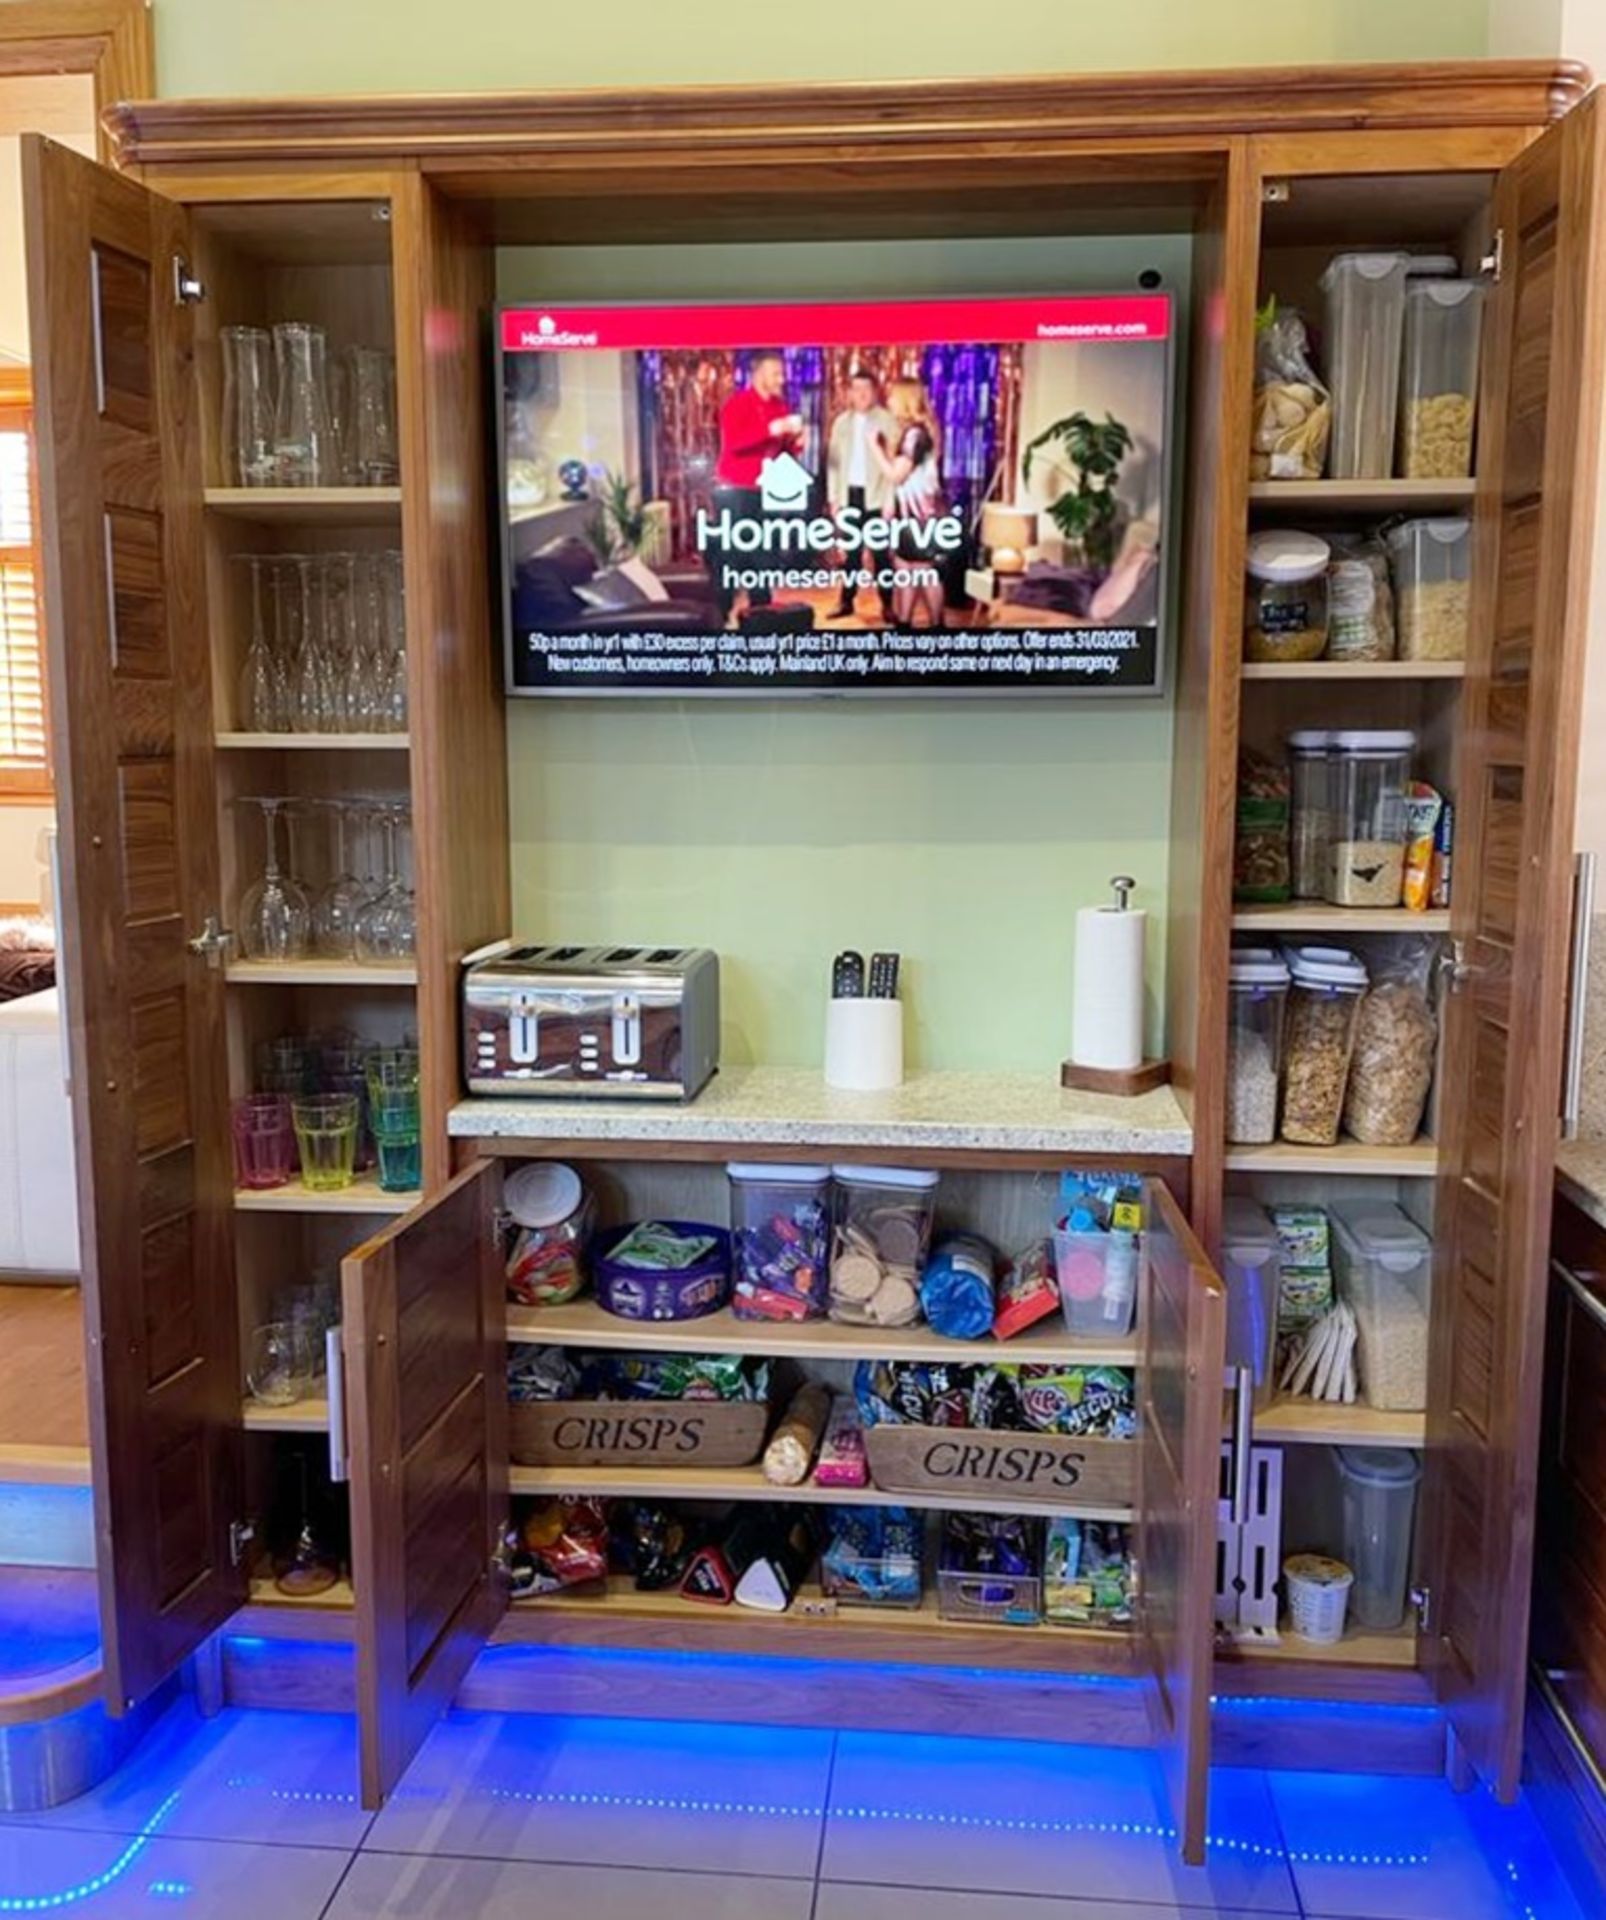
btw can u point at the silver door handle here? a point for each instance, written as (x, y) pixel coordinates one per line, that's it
(335, 1366)
(1572, 1082)
(212, 942)
(1243, 1441)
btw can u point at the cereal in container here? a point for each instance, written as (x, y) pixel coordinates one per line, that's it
(1396, 1038)
(1324, 997)
(1257, 997)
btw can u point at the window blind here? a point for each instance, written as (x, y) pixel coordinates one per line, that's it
(24, 748)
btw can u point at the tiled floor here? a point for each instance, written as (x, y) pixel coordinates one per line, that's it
(255, 1817)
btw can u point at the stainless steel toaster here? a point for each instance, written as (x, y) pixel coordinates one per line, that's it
(638, 1022)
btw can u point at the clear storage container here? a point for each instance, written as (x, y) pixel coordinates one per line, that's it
(552, 1217)
(884, 1217)
(1324, 997)
(1310, 770)
(1098, 1276)
(1251, 1268)
(1365, 320)
(781, 1235)
(1383, 1265)
(1370, 773)
(1257, 999)
(1439, 378)
(1431, 561)
(1379, 1497)
(1285, 595)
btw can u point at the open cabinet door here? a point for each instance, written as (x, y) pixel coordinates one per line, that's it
(131, 741)
(423, 1309)
(1182, 1334)
(1504, 1017)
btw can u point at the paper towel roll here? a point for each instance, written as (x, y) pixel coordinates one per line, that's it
(1107, 993)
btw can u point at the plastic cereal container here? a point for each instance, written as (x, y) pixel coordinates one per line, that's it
(1431, 561)
(1439, 378)
(1318, 1038)
(884, 1218)
(781, 1234)
(1365, 322)
(1383, 1264)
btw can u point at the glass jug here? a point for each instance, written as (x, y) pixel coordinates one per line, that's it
(304, 437)
(248, 424)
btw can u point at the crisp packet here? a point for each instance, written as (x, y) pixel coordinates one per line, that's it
(1424, 807)
(686, 1376)
(841, 1461)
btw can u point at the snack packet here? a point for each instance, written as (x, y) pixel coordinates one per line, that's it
(1424, 807)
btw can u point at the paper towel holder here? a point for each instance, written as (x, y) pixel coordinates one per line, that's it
(1125, 1081)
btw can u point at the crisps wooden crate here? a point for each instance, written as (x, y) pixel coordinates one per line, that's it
(642, 1433)
(1037, 1469)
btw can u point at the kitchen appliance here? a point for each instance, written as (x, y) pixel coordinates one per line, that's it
(615, 1022)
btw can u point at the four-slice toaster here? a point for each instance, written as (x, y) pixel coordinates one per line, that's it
(614, 1021)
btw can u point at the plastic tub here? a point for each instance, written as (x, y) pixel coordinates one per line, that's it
(1318, 1593)
(1379, 1496)
(1257, 1000)
(1285, 595)
(1323, 999)
(884, 1218)
(1431, 561)
(780, 1240)
(1251, 1267)
(1369, 777)
(636, 1288)
(1098, 1276)
(1310, 770)
(1439, 378)
(1365, 321)
(1383, 1265)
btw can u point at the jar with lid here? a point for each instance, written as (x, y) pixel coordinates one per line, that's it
(552, 1216)
(1285, 603)
(1324, 996)
(1257, 997)
(1370, 774)
(1439, 378)
(1365, 295)
(1431, 561)
(1310, 762)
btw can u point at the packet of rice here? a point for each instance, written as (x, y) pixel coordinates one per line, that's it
(1423, 806)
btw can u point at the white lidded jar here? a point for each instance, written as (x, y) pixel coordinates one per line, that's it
(1285, 595)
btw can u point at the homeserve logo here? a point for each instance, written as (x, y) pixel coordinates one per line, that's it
(547, 333)
(784, 484)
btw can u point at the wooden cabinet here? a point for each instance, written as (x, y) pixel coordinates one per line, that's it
(388, 215)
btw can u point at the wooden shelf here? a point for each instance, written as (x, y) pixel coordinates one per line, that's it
(305, 1416)
(1314, 916)
(364, 1195)
(338, 1599)
(318, 973)
(1363, 496)
(1358, 1648)
(582, 1323)
(748, 1483)
(812, 1627)
(320, 506)
(314, 742)
(1321, 1423)
(1358, 670)
(1417, 1161)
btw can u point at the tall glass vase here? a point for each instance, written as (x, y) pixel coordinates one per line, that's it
(304, 437)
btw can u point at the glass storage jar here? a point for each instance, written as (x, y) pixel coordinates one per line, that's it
(1324, 996)
(1431, 561)
(880, 1238)
(1285, 601)
(781, 1229)
(1370, 772)
(552, 1216)
(1310, 762)
(1365, 320)
(1439, 378)
(1257, 997)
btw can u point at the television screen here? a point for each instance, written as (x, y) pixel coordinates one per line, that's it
(923, 495)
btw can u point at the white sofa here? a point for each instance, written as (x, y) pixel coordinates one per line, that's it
(38, 1191)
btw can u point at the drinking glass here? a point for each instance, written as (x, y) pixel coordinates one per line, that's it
(287, 1065)
(373, 667)
(372, 378)
(308, 697)
(393, 704)
(335, 911)
(274, 920)
(278, 1368)
(394, 1115)
(304, 447)
(387, 929)
(326, 1133)
(262, 693)
(264, 1147)
(249, 453)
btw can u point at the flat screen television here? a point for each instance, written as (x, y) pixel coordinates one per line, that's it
(956, 495)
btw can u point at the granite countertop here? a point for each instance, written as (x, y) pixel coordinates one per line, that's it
(1581, 1175)
(792, 1106)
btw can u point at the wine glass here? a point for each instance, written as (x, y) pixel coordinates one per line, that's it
(274, 920)
(393, 711)
(336, 909)
(387, 930)
(261, 688)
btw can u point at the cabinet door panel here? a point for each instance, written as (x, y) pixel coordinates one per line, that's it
(425, 1332)
(130, 712)
(1183, 1351)
(1503, 1040)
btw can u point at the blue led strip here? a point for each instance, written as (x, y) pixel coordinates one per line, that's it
(87, 1889)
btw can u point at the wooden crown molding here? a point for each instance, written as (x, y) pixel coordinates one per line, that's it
(688, 120)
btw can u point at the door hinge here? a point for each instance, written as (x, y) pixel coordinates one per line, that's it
(212, 942)
(1456, 967)
(1422, 1600)
(187, 289)
(241, 1534)
(502, 1222)
(1493, 262)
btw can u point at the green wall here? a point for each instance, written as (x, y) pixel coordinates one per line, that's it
(335, 46)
